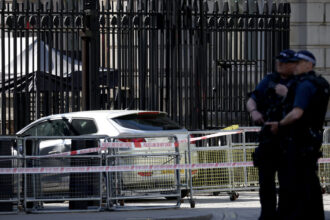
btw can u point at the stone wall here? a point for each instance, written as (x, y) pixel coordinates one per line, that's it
(310, 29)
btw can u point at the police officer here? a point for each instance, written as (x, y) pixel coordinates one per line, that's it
(300, 190)
(265, 104)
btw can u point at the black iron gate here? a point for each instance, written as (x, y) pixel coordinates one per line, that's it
(193, 59)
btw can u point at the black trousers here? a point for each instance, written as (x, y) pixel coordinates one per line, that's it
(267, 157)
(267, 191)
(300, 195)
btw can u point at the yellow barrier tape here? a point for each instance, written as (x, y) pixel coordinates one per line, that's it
(232, 127)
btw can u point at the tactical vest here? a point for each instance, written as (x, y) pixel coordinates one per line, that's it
(271, 104)
(314, 114)
(307, 131)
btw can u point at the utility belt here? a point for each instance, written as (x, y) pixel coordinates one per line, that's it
(308, 142)
(268, 150)
(266, 136)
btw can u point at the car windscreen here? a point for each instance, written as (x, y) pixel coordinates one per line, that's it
(147, 122)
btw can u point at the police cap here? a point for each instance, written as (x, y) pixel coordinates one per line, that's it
(305, 55)
(286, 56)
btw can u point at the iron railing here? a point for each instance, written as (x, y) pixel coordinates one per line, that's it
(178, 56)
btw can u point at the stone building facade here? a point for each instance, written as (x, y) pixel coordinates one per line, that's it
(310, 29)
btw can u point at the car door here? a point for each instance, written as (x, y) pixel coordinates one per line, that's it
(57, 127)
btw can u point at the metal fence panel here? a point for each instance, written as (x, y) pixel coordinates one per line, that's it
(147, 183)
(175, 56)
(10, 185)
(82, 190)
(237, 148)
(213, 161)
(324, 167)
(233, 148)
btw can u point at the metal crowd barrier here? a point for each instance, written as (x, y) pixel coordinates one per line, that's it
(77, 191)
(324, 163)
(149, 183)
(10, 184)
(238, 148)
(231, 148)
(167, 165)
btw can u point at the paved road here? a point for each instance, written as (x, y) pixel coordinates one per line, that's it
(246, 207)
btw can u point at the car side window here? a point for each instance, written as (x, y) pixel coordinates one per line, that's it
(60, 128)
(50, 128)
(41, 129)
(83, 126)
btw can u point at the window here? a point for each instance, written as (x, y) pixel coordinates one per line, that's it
(50, 128)
(83, 126)
(147, 122)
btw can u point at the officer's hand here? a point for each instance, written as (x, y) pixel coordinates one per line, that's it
(281, 90)
(257, 117)
(273, 126)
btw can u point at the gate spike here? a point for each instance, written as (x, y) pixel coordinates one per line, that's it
(256, 7)
(108, 5)
(66, 6)
(60, 4)
(119, 6)
(26, 5)
(14, 5)
(2, 5)
(266, 8)
(130, 5)
(195, 5)
(140, 5)
(225, 7)
(274, 8)
(162, 7)
(40, 6)
(236, 9)
(206, 7)
(287, 8)
(98, 6)
(216, 7)
(170, 6)
(189, 3)
(49, 6)
(280, 8)
(152, 5)
(184, 4)
(246, 7)
(102, 6)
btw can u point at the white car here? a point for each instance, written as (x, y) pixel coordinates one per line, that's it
(114, 123)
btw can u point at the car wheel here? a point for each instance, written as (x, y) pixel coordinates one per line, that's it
(233, 196)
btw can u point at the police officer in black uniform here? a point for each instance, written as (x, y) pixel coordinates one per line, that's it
(265, 104)
(300, 189)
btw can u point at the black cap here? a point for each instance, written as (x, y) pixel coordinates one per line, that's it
(286, 56)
